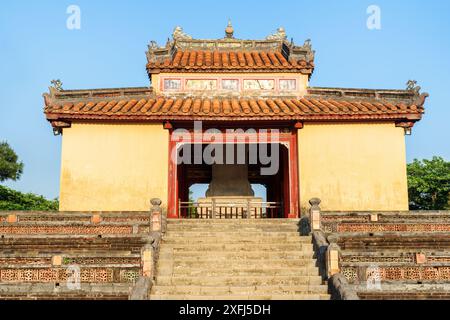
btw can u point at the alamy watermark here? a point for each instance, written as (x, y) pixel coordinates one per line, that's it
(230, 147)
(74, 279)
(73, 22)
(374, 19)
(373, 278)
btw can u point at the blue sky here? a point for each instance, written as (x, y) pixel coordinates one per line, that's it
(109, 51)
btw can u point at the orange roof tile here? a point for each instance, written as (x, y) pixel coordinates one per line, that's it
(319, 104)
(229, 61)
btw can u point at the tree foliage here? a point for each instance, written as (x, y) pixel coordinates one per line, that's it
(429, 184)
(10, 166)
(14, 200)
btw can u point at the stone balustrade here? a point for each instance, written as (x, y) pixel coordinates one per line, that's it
(379, 254)
(79, 255)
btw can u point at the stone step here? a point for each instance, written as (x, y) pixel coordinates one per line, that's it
(237, 260)
(238, 280)
(249, 271)
(281, 297)
(237, 247)
(232, 221)
(46, 288)
(234, 234)
(238, 290)
(231, 240)
(48, 291)
(235, 263)
(232, 254)
(69, 296)
(231, 227)
(234, 231)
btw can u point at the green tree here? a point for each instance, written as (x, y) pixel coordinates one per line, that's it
(15, 200)
(10, 167)
(429, 184)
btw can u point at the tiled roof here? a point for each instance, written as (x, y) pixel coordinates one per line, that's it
(229, 61)
(141, 104)
(185, 54)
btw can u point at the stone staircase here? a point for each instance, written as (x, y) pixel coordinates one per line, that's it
(237, 260)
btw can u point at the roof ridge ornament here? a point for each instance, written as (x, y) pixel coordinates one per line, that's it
(153, 45)
(229, 31)
(179, 34)
(56, 85)
(411, 85)
(307, 44)
(279, 35)
(420, 98)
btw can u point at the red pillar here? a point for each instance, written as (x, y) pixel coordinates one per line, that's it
(293, 177)
(172, 205)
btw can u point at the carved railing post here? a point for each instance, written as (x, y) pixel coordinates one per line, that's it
(332, 260)
(213, 212)
(156, 216)
(12, 218)
(314, 214)
(340, 289)
(147, 257)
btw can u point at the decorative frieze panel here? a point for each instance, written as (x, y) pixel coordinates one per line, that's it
(259, 84)
(129, 276)
(350, 273)
(55, 218)
(414, 217)
(378, 259)
(288, 84)
(201, 85)
(74, 218)
(125, 219)
(359, 275)
(238, 84)
(21, 261)
(87, 275)
(144, 229)
(102, 260)
(172, 85)
(391, 227)
(359, 218)
(69, 230)
(438, 259)
(230, 85)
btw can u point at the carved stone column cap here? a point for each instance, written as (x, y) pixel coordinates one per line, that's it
(156, 202)
(315, 202)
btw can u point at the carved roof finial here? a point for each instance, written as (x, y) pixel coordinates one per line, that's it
(411, 85)
(153, 45)
(229, 31)
(307, 44)
(279, 35)
(179, 34)
(57, 85)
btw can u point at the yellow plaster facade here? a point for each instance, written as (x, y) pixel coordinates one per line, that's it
(355, 167)
(113, 167)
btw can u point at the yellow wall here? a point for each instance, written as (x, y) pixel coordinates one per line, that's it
(353, 166)
(120, 167)
(113, 167)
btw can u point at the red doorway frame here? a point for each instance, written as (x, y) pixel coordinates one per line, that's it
(289, 140)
